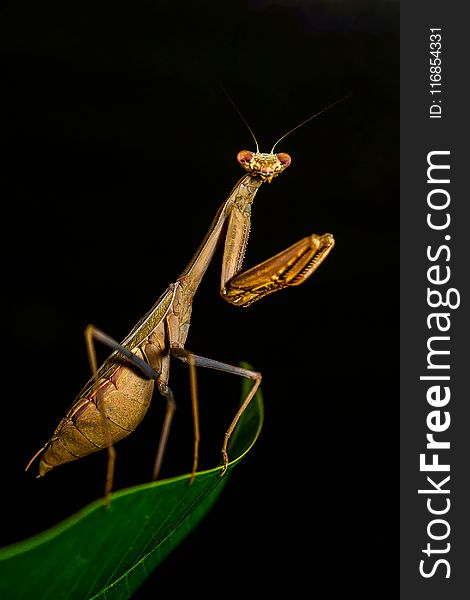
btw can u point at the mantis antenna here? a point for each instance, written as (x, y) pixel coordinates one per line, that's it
(290, 130)
(306, 120)
(241, 116)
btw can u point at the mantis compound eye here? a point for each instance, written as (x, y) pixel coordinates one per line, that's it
(284, 159)
(244, 157)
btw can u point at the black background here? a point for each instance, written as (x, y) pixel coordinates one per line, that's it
(121, 146)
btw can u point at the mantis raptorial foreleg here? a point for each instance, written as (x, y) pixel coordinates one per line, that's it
(289, 267)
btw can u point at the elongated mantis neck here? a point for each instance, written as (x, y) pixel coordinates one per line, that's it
(241, 197)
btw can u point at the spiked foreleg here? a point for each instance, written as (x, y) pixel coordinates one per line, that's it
(290, 267)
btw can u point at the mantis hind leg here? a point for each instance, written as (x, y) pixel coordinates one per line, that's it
(156, 368)
(92, 335)
(166, 392)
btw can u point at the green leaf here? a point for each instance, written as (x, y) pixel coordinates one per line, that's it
(108, 554)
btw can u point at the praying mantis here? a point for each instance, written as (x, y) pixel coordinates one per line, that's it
(116, 398)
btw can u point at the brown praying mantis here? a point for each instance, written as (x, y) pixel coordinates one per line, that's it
(117, 397)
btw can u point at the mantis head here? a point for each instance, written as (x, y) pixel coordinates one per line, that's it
(262, 165)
